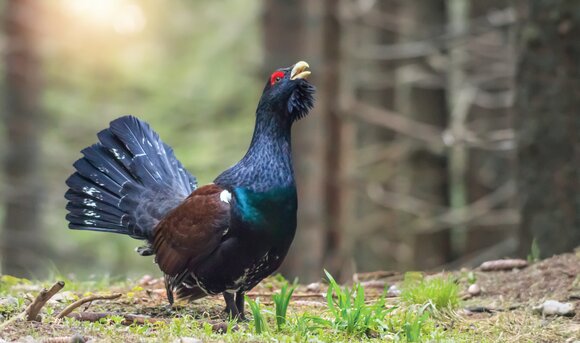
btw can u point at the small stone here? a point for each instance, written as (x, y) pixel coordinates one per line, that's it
(187, 340)
(222, 327)
(555, 308)
(313, 287)
(146, 280)
(393, 291)
(474, 289)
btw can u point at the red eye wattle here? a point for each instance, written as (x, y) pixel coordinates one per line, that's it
(277, 76)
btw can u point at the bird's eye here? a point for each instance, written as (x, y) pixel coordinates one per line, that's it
(276, 77)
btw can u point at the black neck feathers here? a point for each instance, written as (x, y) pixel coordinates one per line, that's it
(268, 161)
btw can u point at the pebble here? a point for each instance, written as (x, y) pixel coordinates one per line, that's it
(474, 289)
(313, 287)
(188, 340)
(393, 291)
(146, 280)
(553, 308)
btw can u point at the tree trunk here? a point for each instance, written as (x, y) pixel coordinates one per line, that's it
(548, 105)
(21, 239)
(422, 174)
(457, 87)
(339, 144)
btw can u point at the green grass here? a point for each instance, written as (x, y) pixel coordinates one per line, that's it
(281, 302)
(259, 320)
(441, 292)
(414, 325)
(348, 316)
(350, 311)
(534, 255)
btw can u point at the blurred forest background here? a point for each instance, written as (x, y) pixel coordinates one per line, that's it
(445, 131)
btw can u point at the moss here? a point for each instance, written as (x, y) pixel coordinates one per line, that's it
(442, 292)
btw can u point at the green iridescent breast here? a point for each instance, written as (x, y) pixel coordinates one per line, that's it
(273, 210)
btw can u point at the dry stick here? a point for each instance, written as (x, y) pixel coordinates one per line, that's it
(79, 302)
(33, 309)
(379, 274)
(31, 312)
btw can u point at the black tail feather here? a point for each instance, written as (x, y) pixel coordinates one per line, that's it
(127, 182)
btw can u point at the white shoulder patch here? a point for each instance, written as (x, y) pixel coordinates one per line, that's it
(225, 196)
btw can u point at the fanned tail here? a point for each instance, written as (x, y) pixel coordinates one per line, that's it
(126, 182)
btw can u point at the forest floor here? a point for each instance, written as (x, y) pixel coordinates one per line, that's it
(503, 311)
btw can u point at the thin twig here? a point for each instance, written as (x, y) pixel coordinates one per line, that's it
(79, 302)
(376, 275)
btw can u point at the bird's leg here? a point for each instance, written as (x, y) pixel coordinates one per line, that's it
(240, 305)
(169, 290)
(231, 308)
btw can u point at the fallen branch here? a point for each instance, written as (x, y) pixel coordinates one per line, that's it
(379, 274)
(507, 264)
(31, 312)
(79, 302)
(128, 319)
(34, 308)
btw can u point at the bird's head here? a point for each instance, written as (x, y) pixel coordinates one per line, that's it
(287, 92)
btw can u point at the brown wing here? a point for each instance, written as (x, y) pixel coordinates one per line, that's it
(192, 230)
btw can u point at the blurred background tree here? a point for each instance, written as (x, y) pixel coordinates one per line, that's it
(22, 243)
(407, 161)
(549, 127)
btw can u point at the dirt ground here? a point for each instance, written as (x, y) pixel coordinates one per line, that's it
(502, 312)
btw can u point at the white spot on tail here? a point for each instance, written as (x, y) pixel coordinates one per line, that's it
(117, 154)
(89, 202)
(90, 191)
(225, 196)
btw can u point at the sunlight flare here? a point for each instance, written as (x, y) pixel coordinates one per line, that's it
(123, 16)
